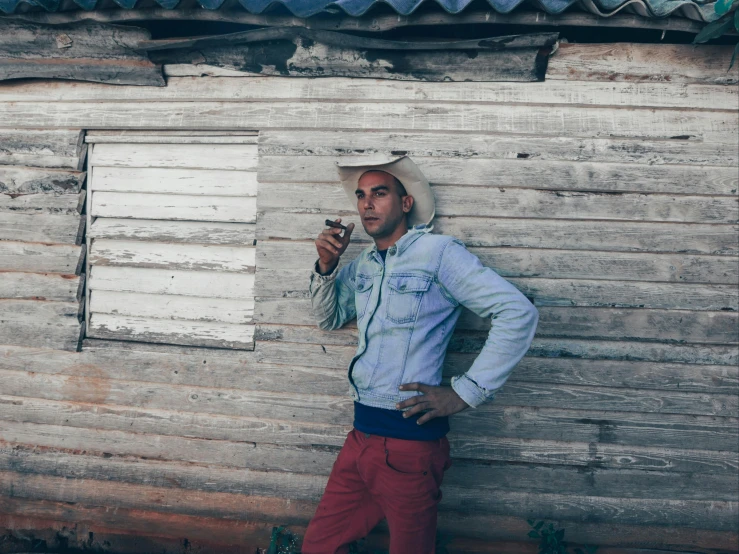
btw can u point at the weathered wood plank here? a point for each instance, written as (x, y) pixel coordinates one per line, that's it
(565, 322)
(47, 228)
(494, 534)
(42, 203)
(171, 331)
(174, 206)
(17, 180)
(675, 63)
(173, 137)
(467, 479)
(42, 324)
(636, 351)
(692, 513)
(173, 256)
(60, 148)
(172, 307)
(535, 120)
(606, 156)
(490, 530)
(190, 232)
(616, 236)
(41, 257)
(293, 283)
(241, 157)
(498, 175)
(84, 51)
(262, 456)
(41, 286)
(177, 282)
(262, 88)
(534, 262)
(213, 182)
(492, 420)
(308, 57)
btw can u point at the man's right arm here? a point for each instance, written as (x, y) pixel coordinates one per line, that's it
(332, 296)
(332, 289)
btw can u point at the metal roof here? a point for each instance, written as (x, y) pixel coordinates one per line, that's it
(693, 9)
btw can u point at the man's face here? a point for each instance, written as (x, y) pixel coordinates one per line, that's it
(380, 204)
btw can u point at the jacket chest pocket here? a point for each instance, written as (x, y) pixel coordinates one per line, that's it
(405, 294)
(363, 291)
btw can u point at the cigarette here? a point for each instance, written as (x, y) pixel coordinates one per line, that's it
(335, 225)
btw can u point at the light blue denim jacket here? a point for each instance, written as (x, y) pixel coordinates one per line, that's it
(406, 310)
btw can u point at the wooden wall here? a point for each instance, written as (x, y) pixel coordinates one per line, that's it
(607, 193)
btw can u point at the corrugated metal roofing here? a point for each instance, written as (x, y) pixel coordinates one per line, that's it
(693, 9)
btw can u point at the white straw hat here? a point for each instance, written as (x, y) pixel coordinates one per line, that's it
(401, 167)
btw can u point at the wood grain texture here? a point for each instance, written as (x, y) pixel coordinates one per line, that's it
(288, 458)
(41, 257)
(535, 262)
(16, 180)
(618, 154)
(716, 515)
(171, 331)
(241, 157)
(498, 175)
(503, 531)
(174, 207)
(672, 431)
(674, 63)
(557, 121)
(40, 323)
(46, 228)
(41, 286)
(211, 182)
(161, 255)
(615, 236)
(66, 204)
(162, 281)
(468, 479)
(190, 232)
(172, 307)
(37, 148)
(86, 51)
(262, 88)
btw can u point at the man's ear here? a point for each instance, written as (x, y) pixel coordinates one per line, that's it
(407, 203)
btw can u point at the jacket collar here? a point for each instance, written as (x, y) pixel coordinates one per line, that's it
(413, 234)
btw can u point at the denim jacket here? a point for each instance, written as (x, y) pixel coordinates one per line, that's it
(406, 310)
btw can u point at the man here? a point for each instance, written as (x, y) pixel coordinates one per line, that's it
(406, 292)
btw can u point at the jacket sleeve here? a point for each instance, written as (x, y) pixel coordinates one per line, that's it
(332, 296)
(466, 281)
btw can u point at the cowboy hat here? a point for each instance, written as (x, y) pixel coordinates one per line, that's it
(401, 167)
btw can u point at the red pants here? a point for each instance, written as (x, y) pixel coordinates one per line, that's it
(377, 477)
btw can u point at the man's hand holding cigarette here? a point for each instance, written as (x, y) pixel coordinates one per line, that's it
(331, 245)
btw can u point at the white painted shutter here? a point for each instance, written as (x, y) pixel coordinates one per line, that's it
(171, 227)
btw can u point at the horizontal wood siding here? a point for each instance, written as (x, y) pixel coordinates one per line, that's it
(606, 193)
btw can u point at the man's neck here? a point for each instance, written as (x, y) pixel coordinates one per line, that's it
(384, 243)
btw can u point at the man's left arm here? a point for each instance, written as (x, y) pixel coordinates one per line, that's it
(464, 280)
(514, 320)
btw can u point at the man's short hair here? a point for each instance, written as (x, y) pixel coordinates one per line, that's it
(398, 184)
